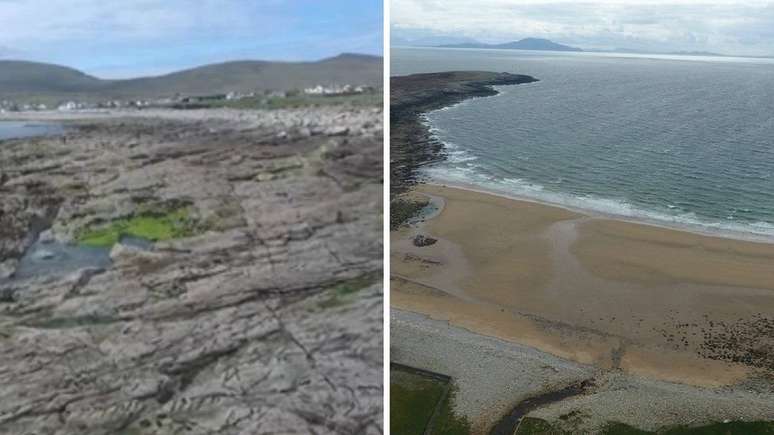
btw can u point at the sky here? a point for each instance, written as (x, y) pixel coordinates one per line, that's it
(130, 38)
(728, 27)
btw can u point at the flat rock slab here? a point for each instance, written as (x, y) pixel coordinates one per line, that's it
(265, 319)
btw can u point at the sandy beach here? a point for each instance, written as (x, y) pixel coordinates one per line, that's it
(666, 304)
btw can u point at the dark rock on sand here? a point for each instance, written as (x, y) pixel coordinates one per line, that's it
(422, 240)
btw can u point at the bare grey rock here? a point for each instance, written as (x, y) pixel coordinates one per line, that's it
(265, 318)
(46, 237)
(337, 131)
(8, 267)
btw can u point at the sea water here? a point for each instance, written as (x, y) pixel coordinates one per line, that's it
(677, 140)
(20, 129)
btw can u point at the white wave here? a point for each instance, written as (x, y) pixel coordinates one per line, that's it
(454, 153)
(472, 177)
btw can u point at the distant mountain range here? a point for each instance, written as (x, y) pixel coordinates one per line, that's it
(25, 80)
(640, 51)
(696, 53)
(523, 44)
(430, 41)
(536, 44)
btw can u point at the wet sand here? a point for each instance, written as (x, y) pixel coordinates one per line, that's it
(661, 303)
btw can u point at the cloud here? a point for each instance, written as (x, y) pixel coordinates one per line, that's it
(743, 27)
(56, 20)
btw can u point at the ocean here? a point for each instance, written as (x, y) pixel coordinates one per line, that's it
(18, 129)
(680, 141)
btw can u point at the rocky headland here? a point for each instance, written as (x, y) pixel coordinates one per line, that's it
(213, 271)
(411, 145)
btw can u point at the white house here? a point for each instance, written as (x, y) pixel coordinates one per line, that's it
(67, 106)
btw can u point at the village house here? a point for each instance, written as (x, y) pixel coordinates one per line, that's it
(69, 105)
(336, 90)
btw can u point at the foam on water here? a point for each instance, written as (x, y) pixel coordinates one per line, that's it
(672, 217)
(454, 153)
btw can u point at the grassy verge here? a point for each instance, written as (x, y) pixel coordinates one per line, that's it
(413, 399)
(154, 227)
(296, 101)
(343, 292)
(536, 426)
(448, 422)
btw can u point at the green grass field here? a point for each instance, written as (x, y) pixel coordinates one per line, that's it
(372, 99)
(447, 422)
(414, 399)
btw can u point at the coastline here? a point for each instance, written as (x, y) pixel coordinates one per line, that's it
(658, 314)
(697, 229)
(651, 301)
(412, 145)
(432, 150)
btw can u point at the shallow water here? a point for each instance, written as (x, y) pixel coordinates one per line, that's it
(19, 129)
(56, 259)
(429, 211)
(682, 141)
(53, 258)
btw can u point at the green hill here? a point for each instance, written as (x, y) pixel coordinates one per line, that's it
(24, 77)
(22, 80)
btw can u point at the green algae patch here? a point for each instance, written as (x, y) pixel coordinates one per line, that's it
(153, 227)
(344, 291)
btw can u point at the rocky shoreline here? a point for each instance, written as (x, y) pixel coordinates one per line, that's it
(257, 304)
(411, 145)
